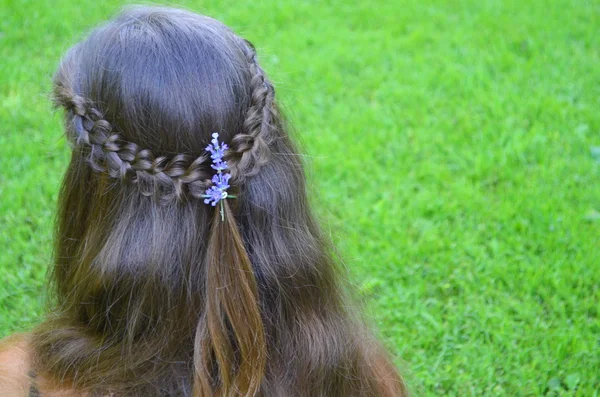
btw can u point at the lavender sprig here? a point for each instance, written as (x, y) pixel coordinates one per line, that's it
(218, 190)
(220, 181)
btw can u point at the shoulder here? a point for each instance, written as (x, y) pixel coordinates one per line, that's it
(14, 365)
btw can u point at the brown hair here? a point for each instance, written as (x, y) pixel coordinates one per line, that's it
(155, 294)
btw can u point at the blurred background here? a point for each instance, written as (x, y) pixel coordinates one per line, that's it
(454, 151)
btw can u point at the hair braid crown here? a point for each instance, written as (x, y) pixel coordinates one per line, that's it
(169, 179)
(250, 149)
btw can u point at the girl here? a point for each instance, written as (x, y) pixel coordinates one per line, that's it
(187, 260)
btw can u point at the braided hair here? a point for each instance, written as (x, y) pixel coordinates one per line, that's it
(155, 293)
(165, 178)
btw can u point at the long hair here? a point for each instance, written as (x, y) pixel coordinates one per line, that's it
(157, 293)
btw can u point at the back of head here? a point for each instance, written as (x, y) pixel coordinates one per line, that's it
(158, 293)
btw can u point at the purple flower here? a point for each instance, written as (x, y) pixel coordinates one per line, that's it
(217, 152)
(219, 165)
(218, 191)
(213, 195)
(221, 180)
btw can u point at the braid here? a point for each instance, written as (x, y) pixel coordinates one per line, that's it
(250, 149)
(161, 177)
(170, 179)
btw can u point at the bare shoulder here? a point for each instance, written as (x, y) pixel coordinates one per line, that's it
(14, 365)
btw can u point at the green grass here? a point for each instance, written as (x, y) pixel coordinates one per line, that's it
(454, 148)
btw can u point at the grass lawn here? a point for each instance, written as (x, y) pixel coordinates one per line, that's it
(455, 152)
